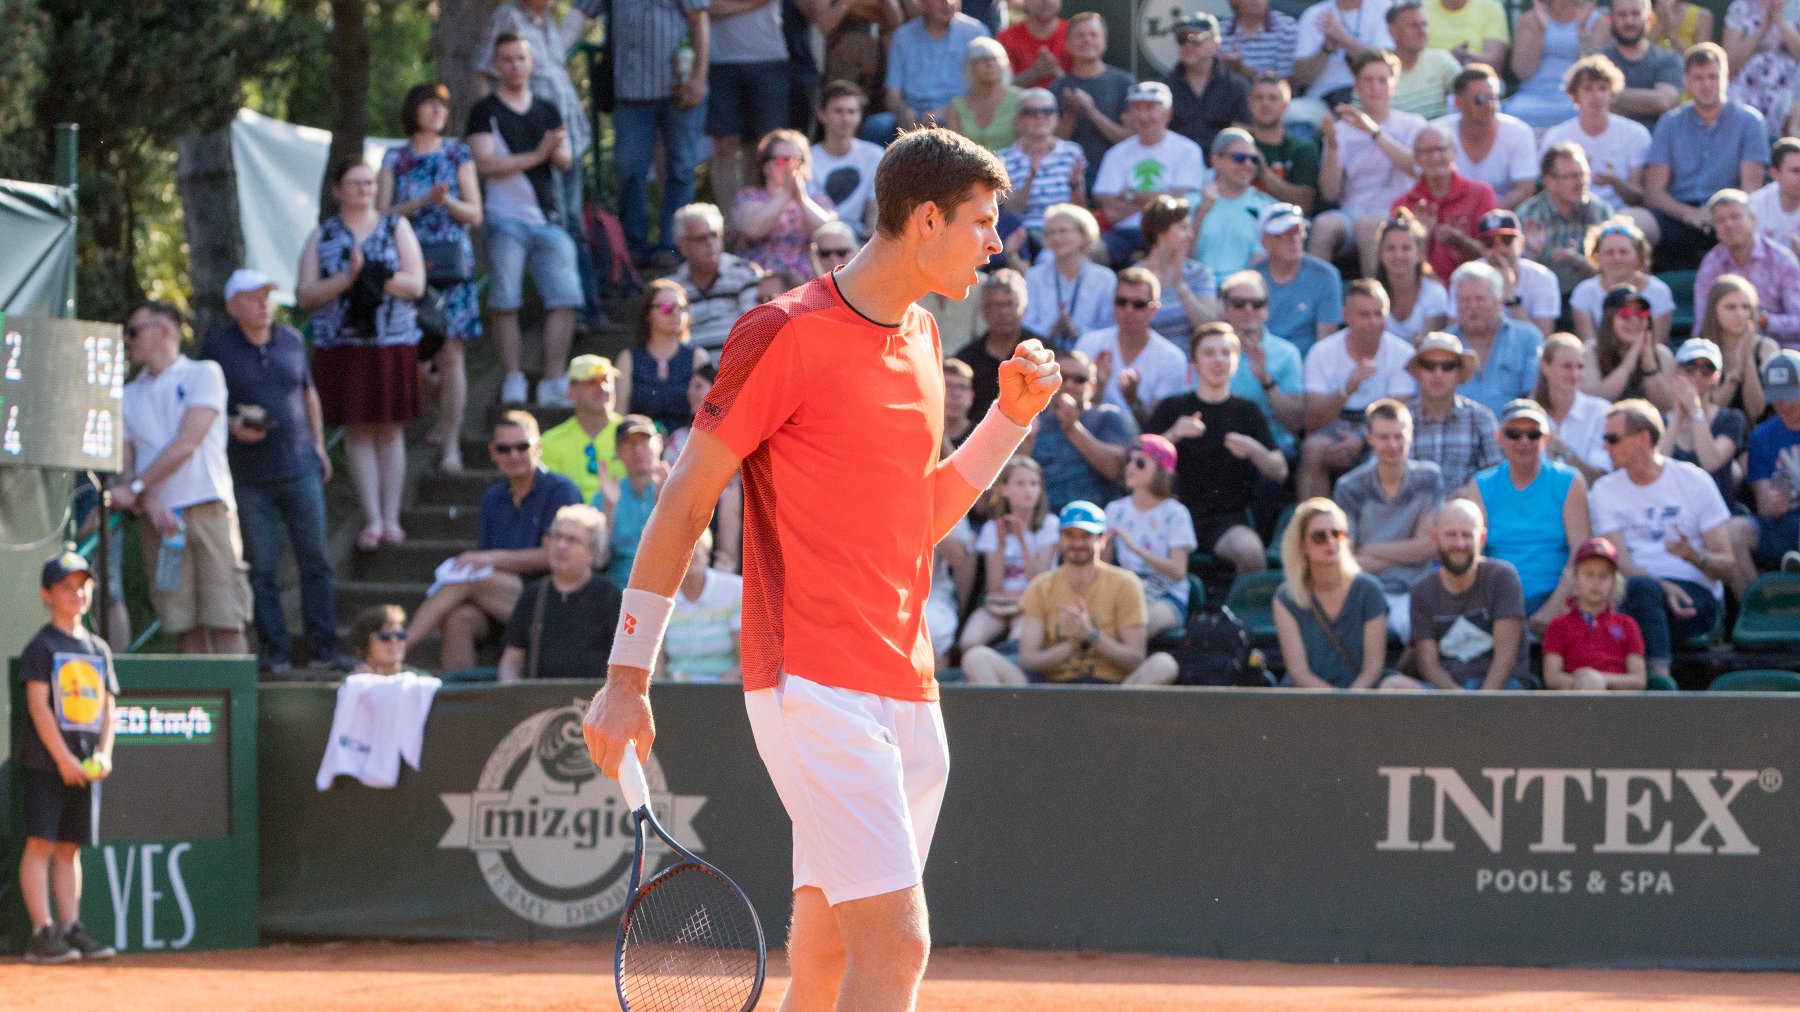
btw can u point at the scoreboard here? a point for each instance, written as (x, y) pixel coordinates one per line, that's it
(61, 386)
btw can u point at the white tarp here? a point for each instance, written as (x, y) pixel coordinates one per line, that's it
(280, 168)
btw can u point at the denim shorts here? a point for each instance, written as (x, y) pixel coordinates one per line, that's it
(547, 249)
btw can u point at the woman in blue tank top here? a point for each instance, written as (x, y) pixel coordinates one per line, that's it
(1536, 509)
(654, 374)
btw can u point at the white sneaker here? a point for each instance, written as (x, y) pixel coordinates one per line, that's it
(512, 389)
(1790, 562)
(554, 393)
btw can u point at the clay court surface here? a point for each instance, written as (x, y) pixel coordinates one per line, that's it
(464, 975)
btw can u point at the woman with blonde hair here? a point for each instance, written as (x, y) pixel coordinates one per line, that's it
(988, 95)
(1577, 418)
(1067, 294)
(1417, 301)
(1330, 616)
(1621, 255)
(1730, 323)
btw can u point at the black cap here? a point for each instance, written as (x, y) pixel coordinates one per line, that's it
(633, 425)
(1617, 298)
(1497, 221)
(61, 566)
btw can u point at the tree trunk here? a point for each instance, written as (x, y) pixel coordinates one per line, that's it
(349, 91)
(461, 27)
(209, 212)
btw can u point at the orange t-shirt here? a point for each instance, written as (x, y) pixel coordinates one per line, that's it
(838, 420)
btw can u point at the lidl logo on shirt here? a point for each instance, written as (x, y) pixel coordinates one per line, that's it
(80, 691)
(1148, 174)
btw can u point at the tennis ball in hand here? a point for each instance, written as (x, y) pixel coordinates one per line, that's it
(91, 766)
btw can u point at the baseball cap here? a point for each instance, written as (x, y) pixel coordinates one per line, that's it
(244, 280)
(1781, 376)
(633, 425)
(1083, 516)
(590, 367)
(1499, 222)
(1597, 548)
(1698, 348)
(61, 566)
(1159, 449)
(1199, 21)
(1524, 407)
(1151, 91)
(1279, 219)
(1617, 298)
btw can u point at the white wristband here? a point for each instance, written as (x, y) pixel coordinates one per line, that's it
(989, 446)
(643, 618)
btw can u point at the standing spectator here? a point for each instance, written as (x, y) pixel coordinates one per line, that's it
(1142, 167)
(1626, 360)
(1345, 373)
(1468, 618)
(1207, 96)
(1590, 647)
(1574, 418)
(720, 286)
(1306, 300)
(1557, 221)
(1269, 372)
(1153, 533)
(1448, 205)
(1069, 293)
(1529, 292)
(1427, 74)
(174, 472)
(562, 625)
(628, 501)
(1774, 465)
(1417, 301)
(1003, 302)
(1771, 266)
(517, 511)
(1017, 543)
(1186, 297)
(1620, 254)
(1669, 525)
(580, 445)
(1392, 501)
(1730, 321)
(1092, 94)
(775, 221)
(856, 37)
(520, 143)
(797, 17)
(1708, 144)
(988, 93)
(1776, 206)
(1045, 169)
(1761, 39)
(654, 373)
(1134, 366)
(1547, 40)
(654, 101)
(1330, 616)
(701, 644)
(1333, 36)
(1257, 39)
(360, 272)
(1221, 444)
(1615, 145)
(1290, 167)
(1509, 159)
(1450, 430)
(278, 468)
(1652, 73)
(1696, 430)
(1229, 209)
(747, 87)
(1038, 45)
(924, 70)
(1473, 31)
(1367, 161)
(1506, 348)
(430, 181)
(1537, 511)
(843, 164)
(1081, 444)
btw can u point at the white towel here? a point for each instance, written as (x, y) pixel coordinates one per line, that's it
(379, 720)
(451, 571)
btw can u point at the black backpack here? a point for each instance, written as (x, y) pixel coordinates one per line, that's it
(1216, 651)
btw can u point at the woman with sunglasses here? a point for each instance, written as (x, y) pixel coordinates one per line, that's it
(1621, 256)
(1045, 169)
(379, 638)
(1418, 303)
(1575, 419)
(1730, 322)
(988, 107)
(1696, 429)
(654, 373)
(1189, 298)
(1626, 360)
(1330, 616)
(774, 222)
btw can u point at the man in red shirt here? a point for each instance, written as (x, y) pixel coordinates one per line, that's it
(1038, 46)
(1449, 205)
(836, 420)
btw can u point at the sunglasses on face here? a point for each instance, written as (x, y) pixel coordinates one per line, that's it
(1517, 434)
(506, 448)
(784, 160)
(834, 254)
(1439, 365)
(670, 308)
(1038, 110)
(1482, 99)
(1634, 312)
(1245, 157)
(1136, 460)
(391, 635)
(1613, 438)
(1700, 365)
(1192, 38)
(1240, 303)
(1121, 303)
(1327, 536)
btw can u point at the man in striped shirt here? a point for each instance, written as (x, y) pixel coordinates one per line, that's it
(1257, 39)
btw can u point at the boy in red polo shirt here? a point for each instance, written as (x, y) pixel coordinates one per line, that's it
(1592, 647)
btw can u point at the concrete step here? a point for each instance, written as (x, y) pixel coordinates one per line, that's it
(354, 596)
(450, 522)
(546, 417)
(416, 561)
(462, 489)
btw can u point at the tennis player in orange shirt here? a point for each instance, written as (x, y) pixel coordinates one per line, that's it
(835, 417)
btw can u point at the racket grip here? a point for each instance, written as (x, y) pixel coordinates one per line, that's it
(631, 778)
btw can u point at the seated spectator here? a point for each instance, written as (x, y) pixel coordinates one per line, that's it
(1221, 444)
(627, 501)
(1068, 293)
(1776, 207)
(1574, 417)
(1557, 221)
(1153, 533)
(1045, 169)
(1774, 467)
(1696, 430)
(516, 512)
(653, 374)
(701, 644)
(1652, 72)
(1366, 162)
(378, 638)
(1140, 168)
(1509, 163)
(1505, 348)
(843, 164)
(924, 69)
(1003, 302)
(1626, 361)
(720, 286)
(774, 285)
(1468, 618)
(1620, 254)
(1450, 430)
(959, 393)
(1080, 443)
(1258, 39)
(833, 245)
(1269, 372)
(1092, 94)
(1227, 217)
(1330, 616)
(1391, 501)
(1082, 623)
(1450, 207)
(1038, 44)
(1018, 542)
(988, 94)
(1613, 146)
(1290, 167)
(775, 221)
(1730, 321)
(728, 513)
(1333, 35)
(578, 446)
(953, 562)
(1470, 30)
(1769, 265)
(1427, 74)
(1761, 39)
(1547, 40)
(1708, 144)
(1670, 527)
(1305, 293)
(1529, 292)
(1537, 511)
(1134, 366)
(1207, 95)
(1185, 294)
(1417, 301)
(1345, 373)
(578, 607)
(1590, 647)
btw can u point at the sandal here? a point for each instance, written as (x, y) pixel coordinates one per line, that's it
(393, 537)
(368, 540)
(452, 462)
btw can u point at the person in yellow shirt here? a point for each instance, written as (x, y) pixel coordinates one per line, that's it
(580, 445)
(1473, 31)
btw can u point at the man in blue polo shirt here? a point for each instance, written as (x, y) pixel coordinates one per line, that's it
(924, 68)
(279, 467)
(516, 513)
(1306, 294)
(1702, 147)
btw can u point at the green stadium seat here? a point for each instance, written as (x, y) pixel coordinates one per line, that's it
(1654, 682)
(1703, 640)
(486, 674)
(951, 676)
(1169, 639)
(1769, 617)
(1252, 599)
(1681, 286)
(1281, 522)
(1764, 680)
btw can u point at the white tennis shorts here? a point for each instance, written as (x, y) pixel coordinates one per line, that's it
(862, 778)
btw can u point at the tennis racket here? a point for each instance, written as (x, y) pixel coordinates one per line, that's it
(689, 939)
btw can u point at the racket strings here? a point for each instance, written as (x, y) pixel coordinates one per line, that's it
(690, 944)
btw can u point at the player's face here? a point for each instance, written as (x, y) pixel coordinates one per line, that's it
(71, 595)
(1389, 439)
(961, 243)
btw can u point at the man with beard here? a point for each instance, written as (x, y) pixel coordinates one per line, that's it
(1652, 73)
(1468, 617)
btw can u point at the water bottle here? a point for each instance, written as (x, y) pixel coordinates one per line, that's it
(684, 61)
(169, 557)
